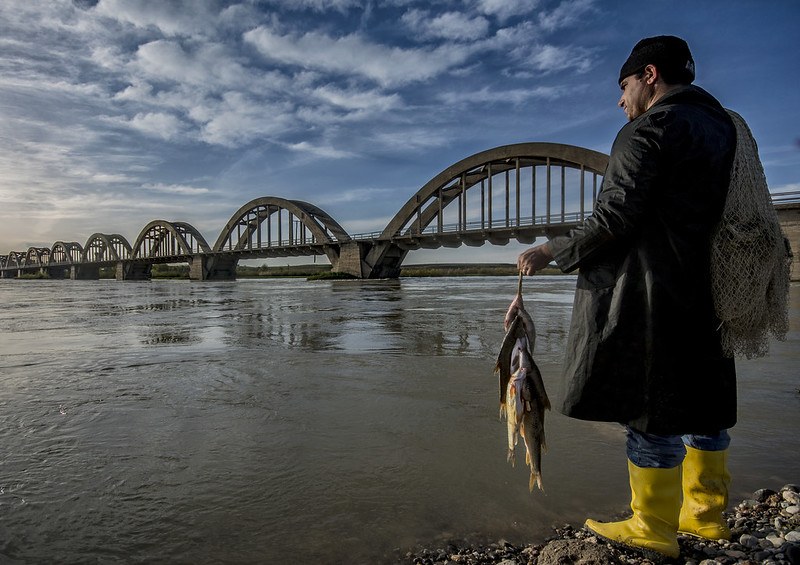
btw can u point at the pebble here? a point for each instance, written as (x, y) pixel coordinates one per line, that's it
(749, 541)
(763, 535)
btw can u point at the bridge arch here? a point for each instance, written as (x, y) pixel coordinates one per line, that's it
(37, 256)
(262, 223)
(66, 253)
(453, 183)
(16, 259)
(519, 191)
(101, 248)
(163, 239)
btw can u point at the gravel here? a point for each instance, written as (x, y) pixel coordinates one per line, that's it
(765, 530)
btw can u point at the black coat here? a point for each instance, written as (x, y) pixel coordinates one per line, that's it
(644, 345)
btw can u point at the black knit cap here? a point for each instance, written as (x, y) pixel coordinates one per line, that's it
(668, 53)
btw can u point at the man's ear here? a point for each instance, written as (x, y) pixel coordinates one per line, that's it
(650, 74)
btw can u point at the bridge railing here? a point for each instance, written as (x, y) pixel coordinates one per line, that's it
(788, 197)
(479, 226)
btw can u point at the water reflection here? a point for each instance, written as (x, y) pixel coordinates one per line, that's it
(193, 422)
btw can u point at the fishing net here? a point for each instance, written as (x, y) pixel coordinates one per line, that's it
(750, 257)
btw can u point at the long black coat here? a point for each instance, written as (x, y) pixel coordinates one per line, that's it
(644, 346)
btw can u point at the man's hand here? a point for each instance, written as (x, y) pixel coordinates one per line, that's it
(534, 259)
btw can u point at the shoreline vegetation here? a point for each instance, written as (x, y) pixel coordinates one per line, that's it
(323, 272)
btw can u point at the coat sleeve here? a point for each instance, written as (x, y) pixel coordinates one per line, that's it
(623, 201)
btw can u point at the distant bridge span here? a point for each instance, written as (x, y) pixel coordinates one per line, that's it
(521, 191)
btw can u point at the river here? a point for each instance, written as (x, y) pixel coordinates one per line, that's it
(266, 421)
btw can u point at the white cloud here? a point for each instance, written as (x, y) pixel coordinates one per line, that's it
(155, 124)
(454, 26)
(326, 151)
(489, 96)
(179, 189)
(175, 17)
(240, 119)
(565, 14)
(316, 5)
(504, 9)
(354, 55)
(351, 99)
(551, 58)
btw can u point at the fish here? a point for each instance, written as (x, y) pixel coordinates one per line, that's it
(523, 398)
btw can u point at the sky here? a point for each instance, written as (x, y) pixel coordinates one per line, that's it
(114, 113)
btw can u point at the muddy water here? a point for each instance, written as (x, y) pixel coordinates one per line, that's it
(265, 420)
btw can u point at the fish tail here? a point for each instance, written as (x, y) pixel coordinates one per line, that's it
(535, 480)
(510, 458)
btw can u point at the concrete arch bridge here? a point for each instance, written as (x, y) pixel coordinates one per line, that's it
(521, 192)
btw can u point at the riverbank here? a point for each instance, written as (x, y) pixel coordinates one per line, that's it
(765, 530)
(320, 270)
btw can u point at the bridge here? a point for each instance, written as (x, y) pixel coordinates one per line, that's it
(521, 191)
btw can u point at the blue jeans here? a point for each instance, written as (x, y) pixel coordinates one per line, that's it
(666, 452)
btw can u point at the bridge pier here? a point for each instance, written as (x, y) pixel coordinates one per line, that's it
(133, 271)
(212, 268)
(351, 259)
(58, 272)
(84, 272)
(789, 217)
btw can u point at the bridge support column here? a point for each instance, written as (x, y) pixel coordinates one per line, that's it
(383, 260)
(351, 259)
(789, 217)
(134, 271)
(212, 268)
(84, 272)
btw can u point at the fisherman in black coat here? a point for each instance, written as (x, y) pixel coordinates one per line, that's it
(644, 345)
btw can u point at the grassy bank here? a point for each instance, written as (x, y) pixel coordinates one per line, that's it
(324, 271)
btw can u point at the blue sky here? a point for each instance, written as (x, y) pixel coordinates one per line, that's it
(117, 112)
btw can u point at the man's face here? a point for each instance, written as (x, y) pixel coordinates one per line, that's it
(636, 95)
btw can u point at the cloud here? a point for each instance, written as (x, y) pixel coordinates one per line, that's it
(316, 5)
(368, 101)
(326, 151)
(565, 14)
(489, 96)
(354, 55)
(454, 26)
(153, 124)
(176, 17)
(504, 9)
(179, 189)
(358, 195)
(552, 58)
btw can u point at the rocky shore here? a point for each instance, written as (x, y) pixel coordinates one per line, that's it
(765, 530)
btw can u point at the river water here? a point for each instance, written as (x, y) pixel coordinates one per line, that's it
(263, 421)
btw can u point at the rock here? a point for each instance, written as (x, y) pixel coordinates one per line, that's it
(575, 551)
(775, 540)
(763, 494)
(793, 554)
(794, 509)
(749, 541)
(791, 497)
(793, 536)
(761, 555)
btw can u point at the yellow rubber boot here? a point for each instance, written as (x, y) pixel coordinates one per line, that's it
(705, 494)
(656, 505)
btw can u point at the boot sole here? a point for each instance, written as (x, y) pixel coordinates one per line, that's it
(651, 554)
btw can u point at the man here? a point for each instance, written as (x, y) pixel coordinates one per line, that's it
(644, 345)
